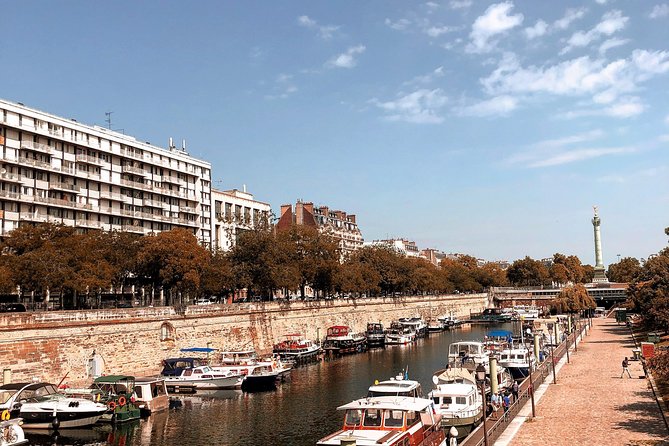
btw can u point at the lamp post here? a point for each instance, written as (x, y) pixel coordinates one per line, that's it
(554, 327)
(530, 388)
(480, 377)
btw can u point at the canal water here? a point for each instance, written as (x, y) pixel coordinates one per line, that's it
(299, 412)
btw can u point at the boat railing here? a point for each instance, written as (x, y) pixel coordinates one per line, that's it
(461, 413)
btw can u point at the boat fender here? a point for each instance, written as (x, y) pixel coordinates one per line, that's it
(5, 415)
(111, 405)
(55, 423)
(121, 401)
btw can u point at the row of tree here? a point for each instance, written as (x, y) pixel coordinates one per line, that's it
(47, 258)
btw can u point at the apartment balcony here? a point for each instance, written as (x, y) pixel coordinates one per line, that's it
(63, 203)
(65, 170)
(187, 209)
(12, 195)
(89, 175)
(86, 159)
(35, 163)
(132, 228)
(170, 179)
(133, 170)
(31, 216)
(9, 178)
(55, 185)
(89, 224)
(112, 195)
(38, 147)
(133, 155)
(136, 185)
(183, 221)
(153, 203)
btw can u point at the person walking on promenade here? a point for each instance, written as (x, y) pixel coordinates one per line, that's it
(626, 368)
(506, 402)
(495, 402)
(514, 391)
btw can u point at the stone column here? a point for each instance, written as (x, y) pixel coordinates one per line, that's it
(600, 275)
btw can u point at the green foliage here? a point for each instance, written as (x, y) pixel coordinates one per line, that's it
(626, 270)
(574, 299)
(528, 272)
(649, 291)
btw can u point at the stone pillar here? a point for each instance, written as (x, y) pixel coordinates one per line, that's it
(600, 274)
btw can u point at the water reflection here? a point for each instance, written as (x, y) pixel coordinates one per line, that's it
(298, 412)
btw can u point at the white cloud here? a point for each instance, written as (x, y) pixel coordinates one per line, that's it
(634, 176)
(666, 120)
(497, 106)
(460, 4)
(436, 31)
(568, 140)
(625, 108)
(612, 22)
(611, 43)
(572, 156)
(325, 32)
(496, 20)
(399, 25)
(347, 59)
(659, 11)
(432, 5)
(651, 62)
(284, 87)
(539, 29)
(601, 2)
(422, 106)
(427, 78)
(664, 138)
(570, 15)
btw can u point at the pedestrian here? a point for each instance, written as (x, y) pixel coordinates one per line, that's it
(514, 391)
(506, 402)
(626, 368)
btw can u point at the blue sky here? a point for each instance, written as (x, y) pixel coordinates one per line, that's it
(488, 128)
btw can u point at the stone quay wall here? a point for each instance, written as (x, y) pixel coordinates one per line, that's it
(50, 346)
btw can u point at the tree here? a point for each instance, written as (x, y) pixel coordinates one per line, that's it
(574, 299)
(492, 274)
(626, 270)
(218, 278)
(461, 275)
(256, 262)
(172, 259)
(559, 273)
(649, 291)
(528, 272)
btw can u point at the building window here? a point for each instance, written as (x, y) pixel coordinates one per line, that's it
(167, 332)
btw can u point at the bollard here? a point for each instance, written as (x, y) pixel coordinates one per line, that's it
(6, 376)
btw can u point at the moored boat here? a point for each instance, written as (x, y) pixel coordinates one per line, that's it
(517, 361)
(457, 399)
(151, 395)
(341, 339)
(296, 349)
(388, 421)
(491, 315)
(178, 376)
(258, 374)
(417, 324)
(399, 335)
(399, 385)
(42, 407)
(375, 334)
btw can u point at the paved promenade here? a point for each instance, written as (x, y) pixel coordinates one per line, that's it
(591, 404)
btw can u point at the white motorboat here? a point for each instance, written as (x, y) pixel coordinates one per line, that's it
(42, 407)
(258, 374)
(399, 334)
(450, 320)
(417, 324)
(397, 386)
(11, 433)
(204, 377)
(468, 354)
(457, 399)
(388, 421)
(517, 361)
(525, 313)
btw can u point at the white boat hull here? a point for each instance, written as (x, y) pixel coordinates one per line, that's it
(229, 382)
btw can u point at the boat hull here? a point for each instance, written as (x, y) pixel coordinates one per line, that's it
(260, 382)
(230, 382)
(44, 420)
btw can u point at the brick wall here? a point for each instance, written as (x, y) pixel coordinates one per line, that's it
(49, 345)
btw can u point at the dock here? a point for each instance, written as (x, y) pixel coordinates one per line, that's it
(589, 403)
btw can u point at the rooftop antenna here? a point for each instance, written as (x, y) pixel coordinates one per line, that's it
(183, 145)
(108, 119)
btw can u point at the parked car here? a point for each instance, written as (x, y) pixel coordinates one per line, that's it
(13, 307)
(204, 301)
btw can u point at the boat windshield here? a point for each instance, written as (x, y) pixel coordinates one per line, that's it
(393, 418)
(6, 395)
(353, 417)
(372, 418)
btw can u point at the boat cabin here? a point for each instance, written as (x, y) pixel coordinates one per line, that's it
(397, 386)
(388, 421)
(151, 394)
(338, 330)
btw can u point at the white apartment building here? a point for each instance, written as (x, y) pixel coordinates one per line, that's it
(58, 170)
(405, 247)
(235, 211)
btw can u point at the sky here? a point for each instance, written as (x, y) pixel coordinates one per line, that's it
(478, 127)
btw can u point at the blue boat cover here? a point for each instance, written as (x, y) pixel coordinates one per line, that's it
(199, 349)
(498, 334)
